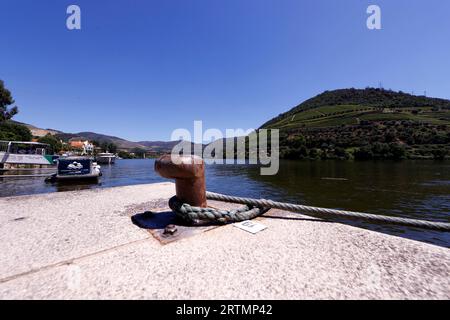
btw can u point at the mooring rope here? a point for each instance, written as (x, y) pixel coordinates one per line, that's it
(201, 216)
(256, 207)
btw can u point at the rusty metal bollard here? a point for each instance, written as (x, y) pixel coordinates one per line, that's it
(189, 175)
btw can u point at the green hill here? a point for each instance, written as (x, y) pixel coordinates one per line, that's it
(348, 123)
(344, 106)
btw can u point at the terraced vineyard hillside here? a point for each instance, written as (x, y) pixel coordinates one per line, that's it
(329, 116)
(351, 106)
(350, 123)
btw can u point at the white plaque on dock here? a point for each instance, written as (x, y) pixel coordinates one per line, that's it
(250, 226)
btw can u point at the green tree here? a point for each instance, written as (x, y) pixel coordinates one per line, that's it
(314, 154)
(297, 141)
(398, 151)
(6, 100)
(112, 147)
(95, 143)
(108, 147)
(14, 132)
(55, 144)
(125, 155)
(139, 153)
(439, 154)
(104, 146)
(364, 153)
(341, 153)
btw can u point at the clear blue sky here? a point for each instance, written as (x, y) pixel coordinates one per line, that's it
(139, 69)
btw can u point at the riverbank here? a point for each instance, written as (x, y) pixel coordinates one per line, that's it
(82, 244)
(410, 189)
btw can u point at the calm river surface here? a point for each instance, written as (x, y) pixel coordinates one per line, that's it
(413, 189)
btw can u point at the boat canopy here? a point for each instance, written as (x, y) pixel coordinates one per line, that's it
(25, 142)
(5, 146)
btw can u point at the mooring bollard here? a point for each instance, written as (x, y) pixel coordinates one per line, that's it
(189, 175)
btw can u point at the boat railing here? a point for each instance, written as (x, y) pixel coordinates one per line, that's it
(4, 146)
(24, 147)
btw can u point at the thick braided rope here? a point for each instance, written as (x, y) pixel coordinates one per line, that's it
(201, 216)
(315, 211)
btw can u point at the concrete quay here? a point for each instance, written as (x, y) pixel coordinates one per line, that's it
(83, 245)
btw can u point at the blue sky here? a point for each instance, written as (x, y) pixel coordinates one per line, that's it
(140, 69)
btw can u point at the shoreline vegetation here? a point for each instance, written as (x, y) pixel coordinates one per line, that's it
(344, 124)
(365, 124)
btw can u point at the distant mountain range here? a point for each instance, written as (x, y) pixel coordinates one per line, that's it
(345, 123)
(157, 146)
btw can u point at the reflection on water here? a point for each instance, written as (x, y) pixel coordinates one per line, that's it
(414, 189)
(124, 172)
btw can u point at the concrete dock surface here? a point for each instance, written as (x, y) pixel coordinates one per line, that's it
(83, 245)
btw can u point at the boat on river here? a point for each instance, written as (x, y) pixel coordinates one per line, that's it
(25, 154)
(75, 169)
(106, 158)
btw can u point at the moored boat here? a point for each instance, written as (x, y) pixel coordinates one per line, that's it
(76, 168)
(106, 158)
(25, 154)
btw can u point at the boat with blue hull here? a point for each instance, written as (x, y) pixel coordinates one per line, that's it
(75, 169)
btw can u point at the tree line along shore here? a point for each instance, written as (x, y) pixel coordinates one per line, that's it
(346, 124)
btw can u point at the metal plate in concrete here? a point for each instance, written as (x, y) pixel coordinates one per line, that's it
(157, 221)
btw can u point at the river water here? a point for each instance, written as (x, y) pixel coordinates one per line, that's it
(413, 189)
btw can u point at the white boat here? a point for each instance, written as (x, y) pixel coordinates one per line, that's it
(25, 153)
(106, 158)
(76, 168)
